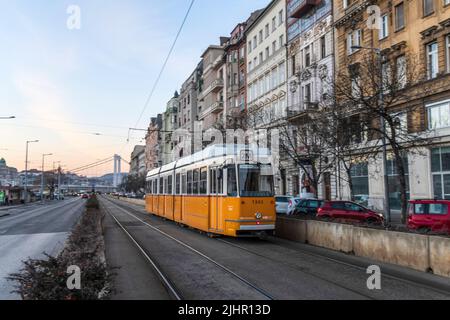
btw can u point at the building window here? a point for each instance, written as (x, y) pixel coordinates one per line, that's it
(440, 167)
(446, 2)
(428, 7)
(254, 42)
(274, 47)
(249, 46)
(282, 72)
(308, 56)
(323, 48)
(280, 17)
(447, 43)
(401, 76)
(384, 27)
(293, 65)
(345, 3)
(432, 60)
(353, 39)
(274, 78)
(267, 53)
(261, 58)
(439, 116)
(260, 36)
(250, 66)
(394, 183)
(400, 16)
(281, 41)
(359, 173)
(267, 80)
(274, 24)
(267, 31)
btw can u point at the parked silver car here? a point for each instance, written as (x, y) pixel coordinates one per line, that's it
(282, 204)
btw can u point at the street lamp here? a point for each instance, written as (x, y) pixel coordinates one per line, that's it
(387, 208)
(42, 176)
(26, 168)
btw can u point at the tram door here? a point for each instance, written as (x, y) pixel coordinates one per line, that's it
(214, 199)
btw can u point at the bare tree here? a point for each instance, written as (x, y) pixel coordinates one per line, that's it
(373, 91)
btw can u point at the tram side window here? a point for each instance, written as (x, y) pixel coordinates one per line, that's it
(169, 185)
(177, 183)
(155, 186)
(189, 182)
(203, 180)
(161, 186)
(220, 181)
(232, 182)
(196, 181)
(183, 184)
(148, 187)
(212, 179)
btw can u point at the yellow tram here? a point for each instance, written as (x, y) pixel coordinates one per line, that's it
(223, 190)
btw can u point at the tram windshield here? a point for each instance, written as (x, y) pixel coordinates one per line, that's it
(255, 180)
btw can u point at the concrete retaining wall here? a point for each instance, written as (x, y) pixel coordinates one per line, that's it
(330, 235)
(415, 251)
(440, 255)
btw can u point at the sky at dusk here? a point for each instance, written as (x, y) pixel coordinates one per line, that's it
(78, 91)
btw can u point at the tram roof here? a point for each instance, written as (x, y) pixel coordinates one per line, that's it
(210, 152)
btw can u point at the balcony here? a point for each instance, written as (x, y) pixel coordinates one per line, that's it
(303, 7)
(216, 107)
(215, 87)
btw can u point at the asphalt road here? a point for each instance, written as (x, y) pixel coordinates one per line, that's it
(283, 269)
(29, 231)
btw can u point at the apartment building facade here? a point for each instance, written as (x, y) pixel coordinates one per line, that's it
(211, 96)
(137, 164)
(187, 113)
(266, 65)
(310, 61)
(169, 125)
(418, 29)
(153, 143)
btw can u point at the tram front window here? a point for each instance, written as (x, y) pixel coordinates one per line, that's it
(255, 181)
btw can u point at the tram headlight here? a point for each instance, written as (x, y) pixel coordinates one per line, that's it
(258, 215)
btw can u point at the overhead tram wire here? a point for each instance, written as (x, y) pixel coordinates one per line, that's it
(91, 165)
(158, 78)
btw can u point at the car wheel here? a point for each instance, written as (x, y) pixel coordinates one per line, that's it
(325, 218)
(424, 230)
(371, 221)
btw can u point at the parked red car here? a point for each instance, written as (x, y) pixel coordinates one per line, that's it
(429, 215)
(346, 210)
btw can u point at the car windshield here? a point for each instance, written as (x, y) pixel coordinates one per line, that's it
(255, 180)
(282, 199)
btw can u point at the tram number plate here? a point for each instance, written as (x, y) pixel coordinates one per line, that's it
(246, 155)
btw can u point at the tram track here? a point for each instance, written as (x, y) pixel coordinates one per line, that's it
(168, 283)
(317, 256)
(165, 280)
(324, 257)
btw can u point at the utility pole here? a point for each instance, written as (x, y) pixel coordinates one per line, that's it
(42, 176)
(26, 170)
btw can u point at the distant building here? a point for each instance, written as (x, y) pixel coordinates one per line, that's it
(153, 144)
(8, 175)
(187, 112)
(211, 98)
(169, 125)
(266, 65)
(138, 165)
